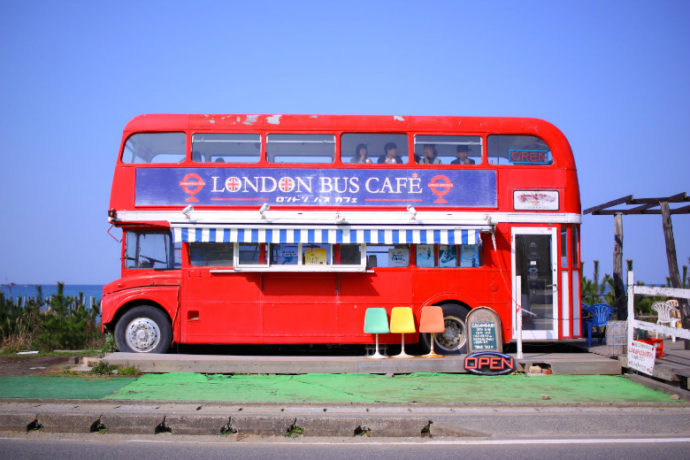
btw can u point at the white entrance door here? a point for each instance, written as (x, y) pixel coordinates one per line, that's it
(533, 254)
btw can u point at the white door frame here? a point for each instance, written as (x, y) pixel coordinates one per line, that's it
(517, 295)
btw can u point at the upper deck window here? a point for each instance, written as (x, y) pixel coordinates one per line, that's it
(374, 148)
(226, 148)
(448, 150)
(518, 150)
(155, 148)
(300, 148)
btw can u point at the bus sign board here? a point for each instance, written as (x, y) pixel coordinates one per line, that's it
(314, 187)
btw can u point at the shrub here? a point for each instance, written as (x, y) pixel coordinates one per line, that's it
(61, 322)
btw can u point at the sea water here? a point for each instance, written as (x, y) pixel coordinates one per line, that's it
(71, 290)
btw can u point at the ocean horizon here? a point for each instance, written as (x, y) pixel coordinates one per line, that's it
(71, 290)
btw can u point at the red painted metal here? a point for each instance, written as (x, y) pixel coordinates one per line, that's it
(329, 307)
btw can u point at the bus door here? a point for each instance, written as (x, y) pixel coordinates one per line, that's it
(534, 268)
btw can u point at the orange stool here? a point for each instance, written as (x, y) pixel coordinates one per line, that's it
(402, 322)
(432, 323)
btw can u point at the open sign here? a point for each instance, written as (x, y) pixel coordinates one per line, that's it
(489, 363)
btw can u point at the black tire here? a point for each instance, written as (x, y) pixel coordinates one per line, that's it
(454, 340)
(143, 329)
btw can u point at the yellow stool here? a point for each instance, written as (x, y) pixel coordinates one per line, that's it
(402, 322)
(431, 322)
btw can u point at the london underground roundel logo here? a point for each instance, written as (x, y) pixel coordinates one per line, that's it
(440, 186)
(192, 184)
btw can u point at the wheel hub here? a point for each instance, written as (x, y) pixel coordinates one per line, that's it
(142, 335)
(453, 336)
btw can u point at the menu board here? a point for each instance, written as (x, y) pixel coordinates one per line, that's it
(484, 331)
(483, 335)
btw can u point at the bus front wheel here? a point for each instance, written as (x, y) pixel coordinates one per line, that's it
(143, 329)
(453, 340)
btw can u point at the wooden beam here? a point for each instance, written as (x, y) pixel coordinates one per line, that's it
(607, 205)
(643, 207)
(629, 212)
(677, 198)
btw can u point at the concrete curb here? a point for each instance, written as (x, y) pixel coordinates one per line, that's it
(308, 420)
(242, 425)
(649, 382)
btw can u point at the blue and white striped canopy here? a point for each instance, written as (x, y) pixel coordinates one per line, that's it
(331, 235)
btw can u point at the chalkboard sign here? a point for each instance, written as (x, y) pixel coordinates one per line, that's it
(484, 330)
(483, 335)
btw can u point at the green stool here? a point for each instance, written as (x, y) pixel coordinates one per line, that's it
(376, 322)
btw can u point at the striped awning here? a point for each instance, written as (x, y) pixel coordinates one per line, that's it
(331, 235)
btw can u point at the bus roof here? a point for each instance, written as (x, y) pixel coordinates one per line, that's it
(365, 123)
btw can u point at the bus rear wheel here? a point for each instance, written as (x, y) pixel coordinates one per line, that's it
(453, 340)
(143, 329)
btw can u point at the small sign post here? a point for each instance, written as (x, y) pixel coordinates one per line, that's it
(641, 357)
(484, 331)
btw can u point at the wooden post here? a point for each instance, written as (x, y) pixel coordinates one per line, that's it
(619, 288)
(596, 278)
(673, 272)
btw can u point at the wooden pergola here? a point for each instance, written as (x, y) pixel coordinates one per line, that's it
(628, 205)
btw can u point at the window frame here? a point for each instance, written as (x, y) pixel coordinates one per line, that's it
(481, 144)
(154, 164)
(261, 141)
(266, 145)
(300, 266)
(170, 250)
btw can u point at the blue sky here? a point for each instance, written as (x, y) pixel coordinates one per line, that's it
(613, 76)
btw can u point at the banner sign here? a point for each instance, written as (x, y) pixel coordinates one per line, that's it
(314, 187)
(641, 357)
(489, 363)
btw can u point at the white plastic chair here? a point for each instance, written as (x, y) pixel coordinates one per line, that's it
(663, 311)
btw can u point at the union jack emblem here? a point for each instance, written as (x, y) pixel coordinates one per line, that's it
(233, 184)
(286, 184)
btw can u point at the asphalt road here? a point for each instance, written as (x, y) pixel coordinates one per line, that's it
(105, 447)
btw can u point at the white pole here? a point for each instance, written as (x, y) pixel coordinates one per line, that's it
(518, 313)
(631, 307)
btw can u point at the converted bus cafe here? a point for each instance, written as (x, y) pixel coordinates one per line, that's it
(286, 229)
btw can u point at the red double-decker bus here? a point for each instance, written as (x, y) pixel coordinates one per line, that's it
(284, 229)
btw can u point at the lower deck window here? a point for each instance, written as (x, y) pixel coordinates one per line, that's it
(350, 254)
(252, 253)
(211, 254)
(388, 256)
(449, 255)
(311, 256)
(316, 254)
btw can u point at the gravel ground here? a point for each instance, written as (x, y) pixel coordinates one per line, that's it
(34, 365)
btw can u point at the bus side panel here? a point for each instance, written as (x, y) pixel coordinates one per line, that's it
(386, 287)
(299, 305)
(221, 308)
